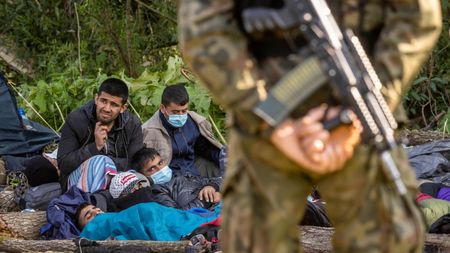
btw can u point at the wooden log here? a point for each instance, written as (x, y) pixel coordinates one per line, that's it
(314, 240)
(10, 57)
(18, 245)
(417, 137)
(22, 225)
(318, 239)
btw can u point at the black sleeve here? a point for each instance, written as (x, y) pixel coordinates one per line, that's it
(215, 182)
(70, 151)
(140, 196)
(135, 143)
(162, 196)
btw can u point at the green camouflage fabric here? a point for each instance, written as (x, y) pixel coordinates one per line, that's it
(264, 192)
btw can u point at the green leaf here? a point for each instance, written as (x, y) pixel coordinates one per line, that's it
(433, 86)
(439, 80)
(420, 80)
(173, 74)
(416, 96)
(41, 102)
(444, 123)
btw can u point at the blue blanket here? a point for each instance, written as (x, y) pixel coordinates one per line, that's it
(146, 221)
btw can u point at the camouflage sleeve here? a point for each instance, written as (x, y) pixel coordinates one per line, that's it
(411, 29)
(216, 50)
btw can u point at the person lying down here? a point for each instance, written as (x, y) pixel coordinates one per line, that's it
(145, 221)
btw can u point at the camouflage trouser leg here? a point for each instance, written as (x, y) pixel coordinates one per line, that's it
(263, 205)
(366, 210)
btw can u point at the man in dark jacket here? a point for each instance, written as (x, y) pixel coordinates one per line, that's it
(104, 127)
(182, 192)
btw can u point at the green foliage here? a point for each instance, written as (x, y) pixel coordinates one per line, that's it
(73, 45)
(136, 36)
(65, 92)
(146, 90)
(111, 35)
(428, 101)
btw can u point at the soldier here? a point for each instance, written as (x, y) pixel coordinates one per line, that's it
(265, 188)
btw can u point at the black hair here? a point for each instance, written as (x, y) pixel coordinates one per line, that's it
(142, 157)
(115, 87)
(78, 213)
(176, 94)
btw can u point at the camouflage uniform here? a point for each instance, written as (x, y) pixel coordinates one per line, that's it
(265, 192)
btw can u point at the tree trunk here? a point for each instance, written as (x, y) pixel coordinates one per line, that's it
(318, 239)
(22, 225)
(26, 226)
(314, 240)
(416, 137)
(8, 55)
(17, 245)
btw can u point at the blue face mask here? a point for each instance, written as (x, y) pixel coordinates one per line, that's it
(177, 120)
(162, 176)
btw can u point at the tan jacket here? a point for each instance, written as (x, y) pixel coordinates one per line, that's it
(157, 137)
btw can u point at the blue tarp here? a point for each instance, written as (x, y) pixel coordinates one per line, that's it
(14, 139)
(431, 161)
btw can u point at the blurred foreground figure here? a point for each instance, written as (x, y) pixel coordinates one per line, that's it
(244, 51)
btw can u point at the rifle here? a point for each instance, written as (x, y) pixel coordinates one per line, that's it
(338, 59)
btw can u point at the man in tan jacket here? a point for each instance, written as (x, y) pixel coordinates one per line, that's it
(183, 138)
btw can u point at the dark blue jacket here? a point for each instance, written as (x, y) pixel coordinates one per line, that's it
(186, 142)
(61, 215)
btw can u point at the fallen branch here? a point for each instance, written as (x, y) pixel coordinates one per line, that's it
(21, 225)
(417, 137)
(314, 240)
(19, 65)
(17, 245)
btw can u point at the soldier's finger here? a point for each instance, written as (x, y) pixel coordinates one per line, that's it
(304, 130)
(315, 114)
(315, 143)
(332, 112)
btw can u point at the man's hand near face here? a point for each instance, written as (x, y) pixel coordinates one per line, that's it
(101, 134)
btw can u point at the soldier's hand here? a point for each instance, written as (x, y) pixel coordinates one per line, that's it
(302, 140)
(101, 134)
(312, 147)
(339, 147)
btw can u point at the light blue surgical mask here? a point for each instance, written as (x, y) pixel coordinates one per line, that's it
(177, 120)
(162, 176)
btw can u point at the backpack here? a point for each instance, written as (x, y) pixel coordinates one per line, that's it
(39, 197)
